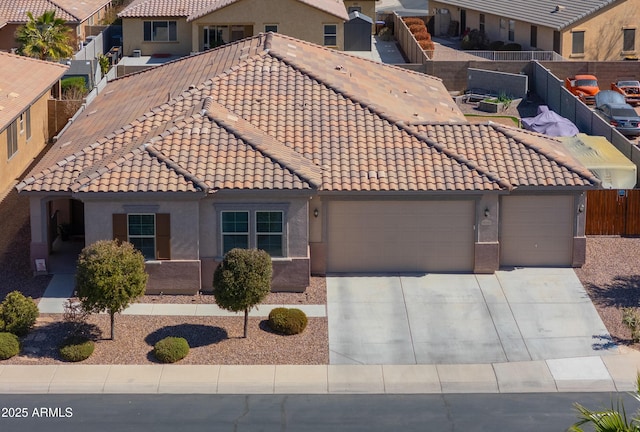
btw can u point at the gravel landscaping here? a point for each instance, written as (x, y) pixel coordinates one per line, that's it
(611, 277)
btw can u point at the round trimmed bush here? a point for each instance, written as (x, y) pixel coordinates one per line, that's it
(75, 349)
(287, 321)
(9, 345)
(18, 313)
(171, 349)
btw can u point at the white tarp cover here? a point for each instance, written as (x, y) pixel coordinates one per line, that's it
(604, 160)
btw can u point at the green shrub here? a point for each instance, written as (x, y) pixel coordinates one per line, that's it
(73, 88)
(496, 45)
(75, 349)
(9, 345)
(475, 40)
(287, 321)
(18, 314)
(171, 349)
(512, 46)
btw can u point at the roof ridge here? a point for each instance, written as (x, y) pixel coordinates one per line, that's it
(33, 59)
(60, 7)
(455, 156)
(264, 143)
(580, 170)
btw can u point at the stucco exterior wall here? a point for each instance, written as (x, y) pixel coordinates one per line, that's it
(368, 8)
(292, 17)
(7, 38)
(133, 37)
(29, 149)
(184, 221)
(603, 35)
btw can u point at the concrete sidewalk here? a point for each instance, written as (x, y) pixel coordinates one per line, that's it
(606, 374)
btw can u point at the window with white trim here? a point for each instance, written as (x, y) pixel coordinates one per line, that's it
(22, 115)
(512, 30)
(141, 232)
(235, 230)
(330, 35)
(269, 231)
(160, 31)
(271, 28)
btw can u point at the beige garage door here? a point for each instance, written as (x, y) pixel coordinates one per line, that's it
(536, 231)
(395, 236)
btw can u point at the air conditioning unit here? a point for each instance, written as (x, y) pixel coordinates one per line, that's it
(137, 53)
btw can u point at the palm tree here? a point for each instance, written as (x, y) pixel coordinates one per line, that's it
(609, 420)
(45, 37)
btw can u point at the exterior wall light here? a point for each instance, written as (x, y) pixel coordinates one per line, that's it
(315, 213)
(486, 212)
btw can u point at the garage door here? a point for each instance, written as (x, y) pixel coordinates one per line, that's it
(379, 236)
(536, 231)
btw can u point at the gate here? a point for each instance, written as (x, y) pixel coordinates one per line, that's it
(613, 212)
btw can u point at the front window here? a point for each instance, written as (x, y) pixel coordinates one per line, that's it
(577, 45)
(629, 40)
(235, 230)
(142, 233)
(330, 35)
(534, 37)
(160, 31)
(271, 28)
(29, 123)
(481, 24)
(12, 139)
(269, 226)
(512, 30)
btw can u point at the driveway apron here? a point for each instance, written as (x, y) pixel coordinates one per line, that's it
(513, 315)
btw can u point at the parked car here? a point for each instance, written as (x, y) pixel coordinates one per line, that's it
(585, 87)
(611, 106)
(630, 89)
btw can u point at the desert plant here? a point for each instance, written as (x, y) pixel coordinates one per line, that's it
(242, 280)
(104, 63)
(9, 345)
(385, 34)
(413, 20)
(288, 321)
(18, 314)
(427, 45)
(110, 275)
(76, 317)
(422, 35)
(76, 348)
(512, 46)
(45, 37)
(631, 319)
(496, 45)
(73, 88)
(414, 28)
(474, 40)
(171, 349)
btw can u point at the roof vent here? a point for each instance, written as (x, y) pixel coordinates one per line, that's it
(560, 7)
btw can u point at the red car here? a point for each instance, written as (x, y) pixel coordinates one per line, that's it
(585, 87)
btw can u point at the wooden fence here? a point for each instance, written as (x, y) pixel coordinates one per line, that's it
(613, 212)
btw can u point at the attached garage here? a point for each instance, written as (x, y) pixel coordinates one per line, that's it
(536, 230)
(400, 236)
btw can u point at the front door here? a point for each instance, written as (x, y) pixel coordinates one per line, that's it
(463, 20)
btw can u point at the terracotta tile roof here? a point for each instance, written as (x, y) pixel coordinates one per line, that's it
(278, 114)
(194, 9)
(15, 11)
(15, 95)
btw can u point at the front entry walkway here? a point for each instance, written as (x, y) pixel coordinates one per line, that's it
(511, 316)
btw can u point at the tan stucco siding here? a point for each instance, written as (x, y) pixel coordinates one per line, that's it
(603, 33)
(13, 167)
(292, 17)
(133, 38)
(368, 8)
(183, 220)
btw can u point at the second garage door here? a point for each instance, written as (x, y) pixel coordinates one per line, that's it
(536, 231)
(400, 236)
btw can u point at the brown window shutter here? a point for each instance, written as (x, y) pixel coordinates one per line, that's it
(163, 236)
(120, 227)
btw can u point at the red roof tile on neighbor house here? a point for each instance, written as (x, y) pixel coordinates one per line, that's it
(15, 11)
(279, 115)
(166, 8)
(22, 81)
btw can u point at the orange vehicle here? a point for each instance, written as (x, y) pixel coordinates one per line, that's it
(585, 87)
(630, 89)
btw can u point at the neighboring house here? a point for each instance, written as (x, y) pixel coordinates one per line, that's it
(585, 30)
(26, 85)
(79, 14)
(153, 27)
(330, 162)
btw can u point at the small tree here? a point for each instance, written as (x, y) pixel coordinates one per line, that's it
(18, 313)
(109, 277)
(242, 280)
(45, 37)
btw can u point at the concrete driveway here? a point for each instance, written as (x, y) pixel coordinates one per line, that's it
(514, 315)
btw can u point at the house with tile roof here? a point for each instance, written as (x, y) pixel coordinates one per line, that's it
(329, 162)
(26, 85)
(78, 14)
(582, 30)
(156, 27)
